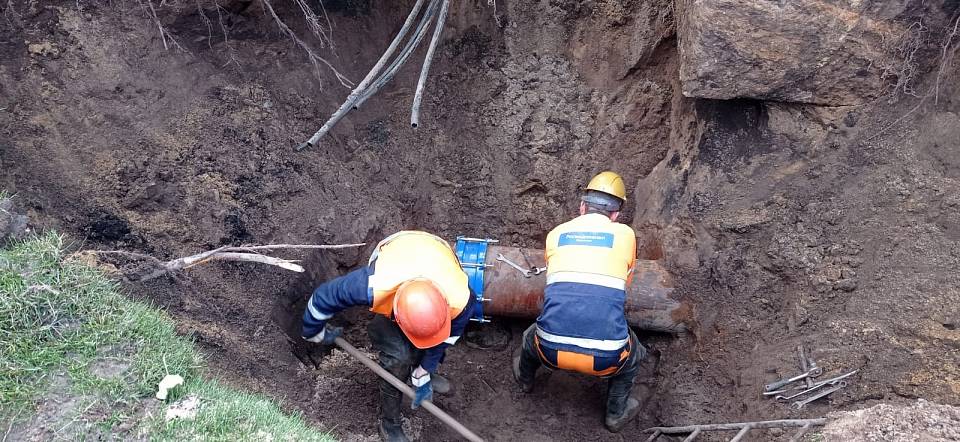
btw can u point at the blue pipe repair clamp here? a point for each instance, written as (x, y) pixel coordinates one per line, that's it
(472, 253)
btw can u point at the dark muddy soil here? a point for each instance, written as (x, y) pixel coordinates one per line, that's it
(784, 224)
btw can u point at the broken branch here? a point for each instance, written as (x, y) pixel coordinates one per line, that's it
(226, 253)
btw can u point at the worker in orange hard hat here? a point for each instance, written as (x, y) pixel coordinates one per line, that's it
(582, 326)
(416, 285)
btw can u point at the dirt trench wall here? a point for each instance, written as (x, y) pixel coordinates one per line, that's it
(784, 223)
(122, 144)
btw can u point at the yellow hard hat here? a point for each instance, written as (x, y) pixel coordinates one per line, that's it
(610, 183)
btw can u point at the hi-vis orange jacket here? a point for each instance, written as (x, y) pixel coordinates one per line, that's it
(589, 264)
(399, 258)
(410, 254)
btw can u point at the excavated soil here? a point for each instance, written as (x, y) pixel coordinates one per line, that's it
(784, 224)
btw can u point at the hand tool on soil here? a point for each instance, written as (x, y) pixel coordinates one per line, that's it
(816, 386)
(813, 372)
(781, 397)
(407, 391)
(800, 404)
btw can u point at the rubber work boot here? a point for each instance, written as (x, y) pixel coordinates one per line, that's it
(441, 385)
(392, 432)
(630, 411)
(524, 387)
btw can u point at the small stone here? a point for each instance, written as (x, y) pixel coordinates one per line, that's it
(832, 273)
(846, 285)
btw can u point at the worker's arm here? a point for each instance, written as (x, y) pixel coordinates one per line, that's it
(331, 297)
(434, 355)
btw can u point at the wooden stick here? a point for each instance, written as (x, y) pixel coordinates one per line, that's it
(693, 435)
(399, 385)
(738, 426)
(799, 434)
(743, 432)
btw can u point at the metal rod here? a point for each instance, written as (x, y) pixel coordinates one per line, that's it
(739, 425)
(348, 103)
(399, 385)
(693, 435)
(799, 434)
(408, 50)
(743, 432)
(422, 82)
(653, 436)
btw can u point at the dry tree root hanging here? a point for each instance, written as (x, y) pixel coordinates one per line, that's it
(315, 59)
(226, 253)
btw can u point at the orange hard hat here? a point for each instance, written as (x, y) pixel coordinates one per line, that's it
(422, 313)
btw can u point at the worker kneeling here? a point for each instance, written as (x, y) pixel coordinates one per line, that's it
(582, 326)
(415, 283)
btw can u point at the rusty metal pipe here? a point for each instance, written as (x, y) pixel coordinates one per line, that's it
(648, 305)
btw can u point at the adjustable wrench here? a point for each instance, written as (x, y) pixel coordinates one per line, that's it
(800, 404)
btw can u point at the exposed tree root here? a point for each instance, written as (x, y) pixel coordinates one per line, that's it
(226, 253)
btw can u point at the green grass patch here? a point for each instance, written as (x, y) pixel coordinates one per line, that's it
(66, 330)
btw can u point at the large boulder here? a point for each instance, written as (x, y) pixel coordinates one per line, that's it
(831, 52)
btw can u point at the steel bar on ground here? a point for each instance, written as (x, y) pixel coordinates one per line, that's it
(738, 425)
(405, 54)
(693, 435)
(799, 434)
(406, 390)
(348, 103)
(653, 436)
(422, 82)
(743, 432)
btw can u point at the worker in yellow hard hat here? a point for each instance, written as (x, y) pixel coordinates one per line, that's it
(416, 286)
(582, 326)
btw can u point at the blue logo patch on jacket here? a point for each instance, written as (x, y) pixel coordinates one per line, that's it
(592, 239)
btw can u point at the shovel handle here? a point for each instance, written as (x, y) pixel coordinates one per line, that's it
(400, 385)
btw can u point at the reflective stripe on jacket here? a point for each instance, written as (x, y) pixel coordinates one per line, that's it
(589, 264)
(413, 254)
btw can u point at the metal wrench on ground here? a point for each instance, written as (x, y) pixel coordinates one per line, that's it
(815, 386)
(813, 372)
(800, 404)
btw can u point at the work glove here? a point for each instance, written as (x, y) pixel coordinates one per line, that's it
(311, 351)
(327, 336)
(424, 390)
